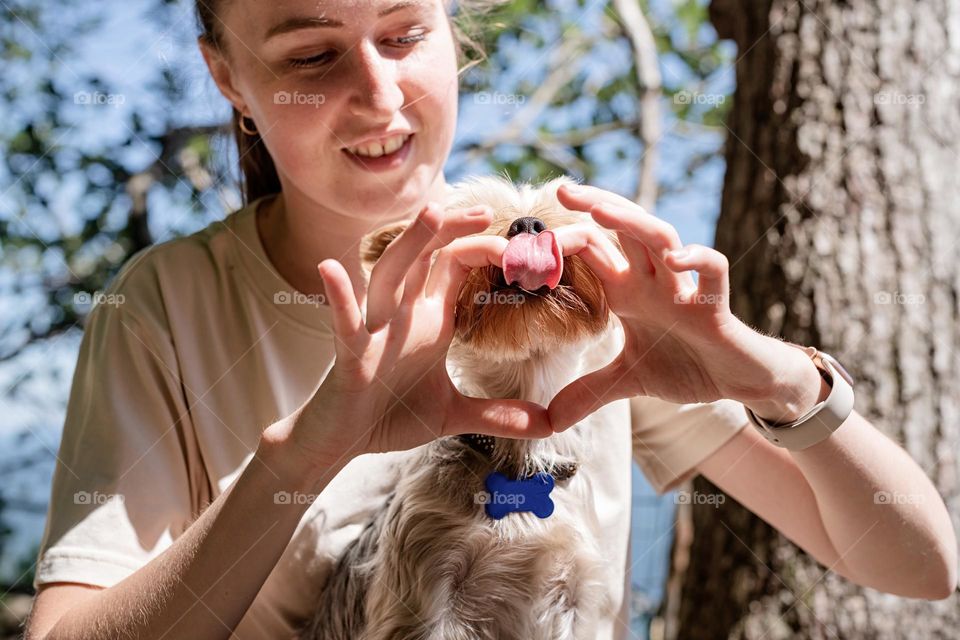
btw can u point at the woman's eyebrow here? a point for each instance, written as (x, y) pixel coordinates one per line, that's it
(314, 22)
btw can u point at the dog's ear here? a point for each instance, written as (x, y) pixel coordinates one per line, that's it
(375, 243)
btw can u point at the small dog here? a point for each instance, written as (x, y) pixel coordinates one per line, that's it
(462, 549)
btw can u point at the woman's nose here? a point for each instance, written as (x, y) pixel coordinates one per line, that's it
(376, 94)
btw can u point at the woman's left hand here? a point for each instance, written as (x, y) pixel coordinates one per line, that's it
(682, 342)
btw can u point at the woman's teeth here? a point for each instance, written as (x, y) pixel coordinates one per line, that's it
(375, 149)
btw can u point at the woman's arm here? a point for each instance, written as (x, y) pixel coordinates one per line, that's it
(683, 344)
(857, 502)
(203, 584)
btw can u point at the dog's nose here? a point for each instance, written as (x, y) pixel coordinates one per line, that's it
(526, 224)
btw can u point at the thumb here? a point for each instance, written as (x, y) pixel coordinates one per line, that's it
(585, 395)
(503, 418)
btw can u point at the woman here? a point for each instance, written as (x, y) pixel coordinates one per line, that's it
(229, 431)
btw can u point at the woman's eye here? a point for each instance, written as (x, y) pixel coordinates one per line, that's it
(411, 39)
(312, 61)
(327, 56)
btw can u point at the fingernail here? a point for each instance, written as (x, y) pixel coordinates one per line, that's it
(482, 211)
(679, 254)
(575, 189)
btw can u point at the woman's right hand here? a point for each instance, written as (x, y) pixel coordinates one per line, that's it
(389, 389)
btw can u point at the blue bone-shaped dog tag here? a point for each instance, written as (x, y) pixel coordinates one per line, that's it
(527, 494)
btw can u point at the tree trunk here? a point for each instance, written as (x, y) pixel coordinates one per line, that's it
(840, 219)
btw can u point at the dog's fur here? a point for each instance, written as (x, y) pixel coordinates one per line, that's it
(432, 564)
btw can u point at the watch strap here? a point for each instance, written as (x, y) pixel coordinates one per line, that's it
(824, 418)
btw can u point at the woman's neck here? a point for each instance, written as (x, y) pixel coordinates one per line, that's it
(297, 236)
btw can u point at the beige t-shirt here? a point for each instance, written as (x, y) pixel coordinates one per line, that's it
(206, 347)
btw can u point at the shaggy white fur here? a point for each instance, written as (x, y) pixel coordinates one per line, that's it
(432, 564)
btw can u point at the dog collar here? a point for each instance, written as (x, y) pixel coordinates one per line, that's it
(483, 445)
(529, 492)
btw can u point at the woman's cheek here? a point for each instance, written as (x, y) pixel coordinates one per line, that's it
(294, 141)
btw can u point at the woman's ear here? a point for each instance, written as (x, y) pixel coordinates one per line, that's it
(375, 243)
(220, 71)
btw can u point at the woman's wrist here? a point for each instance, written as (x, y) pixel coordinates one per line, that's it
(789, 383)
(297, 471)
(796, 394)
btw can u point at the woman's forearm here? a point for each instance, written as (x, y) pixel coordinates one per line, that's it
(882, 514)
(203, 584)
(888, 524)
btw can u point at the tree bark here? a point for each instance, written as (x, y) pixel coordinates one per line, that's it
(840, 219)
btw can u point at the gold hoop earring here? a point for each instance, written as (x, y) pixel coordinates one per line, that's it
(244, 128)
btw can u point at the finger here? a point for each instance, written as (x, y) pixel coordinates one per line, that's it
(431, 230)
(595, 248)
(456, 261)
(385, 289)
(416, 278)
(644, 237)
(347, 318)
(458, 223)
(582, 196)
(503, 418)
(712, 267)
(634, 225)
(585, 395)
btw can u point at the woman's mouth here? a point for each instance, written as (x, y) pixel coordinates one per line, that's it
(375, 157)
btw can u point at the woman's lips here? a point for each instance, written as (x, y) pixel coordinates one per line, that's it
(386, 162)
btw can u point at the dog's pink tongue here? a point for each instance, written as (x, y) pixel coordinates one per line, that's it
(533, 260)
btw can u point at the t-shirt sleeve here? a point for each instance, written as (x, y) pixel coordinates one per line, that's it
(120, 491)
(670, 440)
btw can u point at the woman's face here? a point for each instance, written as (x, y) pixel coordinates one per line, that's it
(318, 77)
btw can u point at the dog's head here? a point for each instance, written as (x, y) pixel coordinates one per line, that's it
(563, 302)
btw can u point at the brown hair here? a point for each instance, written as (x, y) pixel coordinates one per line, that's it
(258, 173)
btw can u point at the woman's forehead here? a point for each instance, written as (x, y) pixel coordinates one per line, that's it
(272, 19)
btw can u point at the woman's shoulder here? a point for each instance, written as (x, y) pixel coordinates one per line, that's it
(173, 271)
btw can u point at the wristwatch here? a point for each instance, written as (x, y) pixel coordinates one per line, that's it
(824, 418)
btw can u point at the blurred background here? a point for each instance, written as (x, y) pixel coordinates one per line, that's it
(830, 186)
